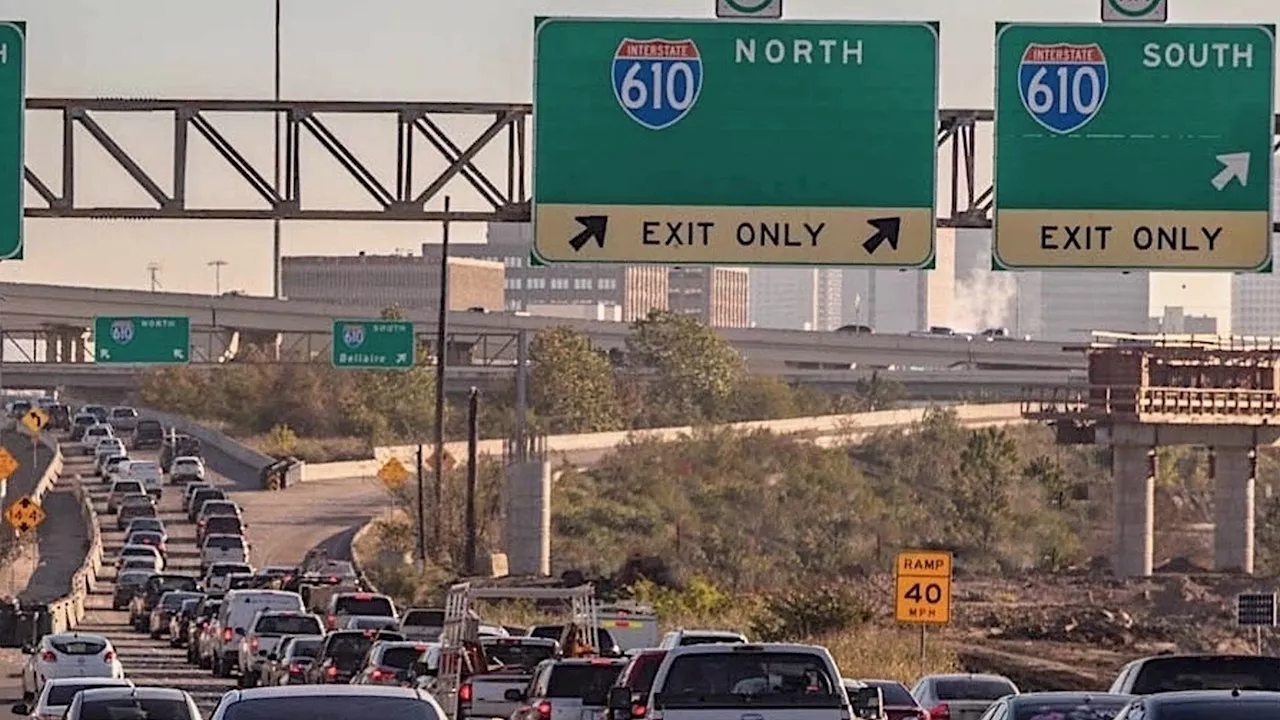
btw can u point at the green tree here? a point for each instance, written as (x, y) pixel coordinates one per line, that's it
(571, 385)
(981, 489)
(695, 371)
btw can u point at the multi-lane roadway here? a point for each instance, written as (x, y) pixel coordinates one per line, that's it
(282, 527)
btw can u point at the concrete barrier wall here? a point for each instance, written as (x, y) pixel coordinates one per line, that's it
(68, 611)
(52, 472)
(828, 429)
(211, 438)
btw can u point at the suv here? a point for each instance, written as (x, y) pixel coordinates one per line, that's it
(123, 418)
(217, 549)
(1169, 673)
(176, 446)
(265, 633)
(221, 525)
(186, 469)
(343, 655)
(148, 434)
(344, 604)
(146, 598)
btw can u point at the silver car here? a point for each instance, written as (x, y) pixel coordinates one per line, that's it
(959, 696)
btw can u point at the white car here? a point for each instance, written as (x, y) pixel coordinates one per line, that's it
(223, 549)
(68, 655)
(93, 434)
(186, 469)
(146, 472)
(57, 694)
(106, 448)
(142, 551)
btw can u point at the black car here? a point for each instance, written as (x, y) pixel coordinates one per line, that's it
(144, 601)
(1204, 705)
(59, 416)
(1072, 705)
(148, 434)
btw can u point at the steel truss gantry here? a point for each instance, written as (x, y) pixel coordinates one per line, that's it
(419, 127)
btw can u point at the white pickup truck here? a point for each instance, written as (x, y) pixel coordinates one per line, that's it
(710, 682)
(490, 694)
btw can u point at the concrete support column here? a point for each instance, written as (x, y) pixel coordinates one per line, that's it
(1133, 468)
(1234, 469)
(51, 337)
(81, 348)
(65, 344)
(527, 530)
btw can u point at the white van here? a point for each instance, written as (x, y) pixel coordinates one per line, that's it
(146, 472)
(235, 616)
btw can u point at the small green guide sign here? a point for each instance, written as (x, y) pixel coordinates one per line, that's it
(142, 340)
(373, 344)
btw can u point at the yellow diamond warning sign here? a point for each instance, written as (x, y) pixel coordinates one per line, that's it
(24, 515)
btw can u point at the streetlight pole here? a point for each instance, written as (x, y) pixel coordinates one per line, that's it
(217, 266)
(276, 282)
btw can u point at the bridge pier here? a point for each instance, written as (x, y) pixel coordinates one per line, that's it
(1234, 471)
(1133, 469)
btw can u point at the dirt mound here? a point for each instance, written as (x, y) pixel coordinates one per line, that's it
(1095, 626)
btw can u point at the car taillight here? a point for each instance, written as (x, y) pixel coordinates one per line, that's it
(638, 711)
(108, 656)
(226, 635)
(375, 675)
(333, 621)
(49, 656)
(253, 643)
(204, 625)
(464, 693)
(295, 669)
(940, 712)
(331, 671)
(544, 709)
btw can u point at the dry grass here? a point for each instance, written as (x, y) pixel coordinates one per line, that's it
(315, 450)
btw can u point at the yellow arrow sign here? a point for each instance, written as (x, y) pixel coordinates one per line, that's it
(25, 515)
(35, 420)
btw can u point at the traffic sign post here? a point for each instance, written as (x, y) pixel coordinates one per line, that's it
(1135, 10)
(373, 344)
(142, 340)
(735, 142)
(1134, 147)
(13, 103)
(922, 590)
(25, 515)
(758, 9)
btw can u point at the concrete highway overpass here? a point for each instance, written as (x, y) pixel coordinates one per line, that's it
(306, 326)
(921, 385)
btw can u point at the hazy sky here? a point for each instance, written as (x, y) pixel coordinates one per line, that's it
(440, 50)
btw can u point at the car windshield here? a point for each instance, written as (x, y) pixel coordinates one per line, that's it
(131, 708)
(129, 511)
(288, 625)
(186, 464)
(894, 694)
(583, 680)
(363, 605)
(132, 579)
(346, 645)
(219, 507)
(224, 542)
(222, 569)
(146, 525)
(973, 689)
(1060, 710)
(144, 537)
(424, 618)
(517, 654)
(401, 657)
(60, 694)
(173, 601)
(176, 582)
(1207, 672)
(128, 486)
(78, 646)
(734, 679)
(138, 551)
(307, 648)
(330, 707)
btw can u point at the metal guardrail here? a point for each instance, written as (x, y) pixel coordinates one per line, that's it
(1129, 401)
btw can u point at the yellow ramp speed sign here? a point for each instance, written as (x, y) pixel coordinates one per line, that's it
(922, 587)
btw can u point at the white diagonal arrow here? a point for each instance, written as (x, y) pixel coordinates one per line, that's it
(105, 354)
(178, 354)
(1234, 165)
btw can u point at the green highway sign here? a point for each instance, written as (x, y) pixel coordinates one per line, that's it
(373, 344)
(13, 102)
(1134, 146)
(735, 142)
(142, 340)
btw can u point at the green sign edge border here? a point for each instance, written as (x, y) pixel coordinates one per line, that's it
(935, 27)
(998, 265)
(333, 348)
(20, 27)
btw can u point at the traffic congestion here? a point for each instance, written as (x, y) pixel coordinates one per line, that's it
(195, 630)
